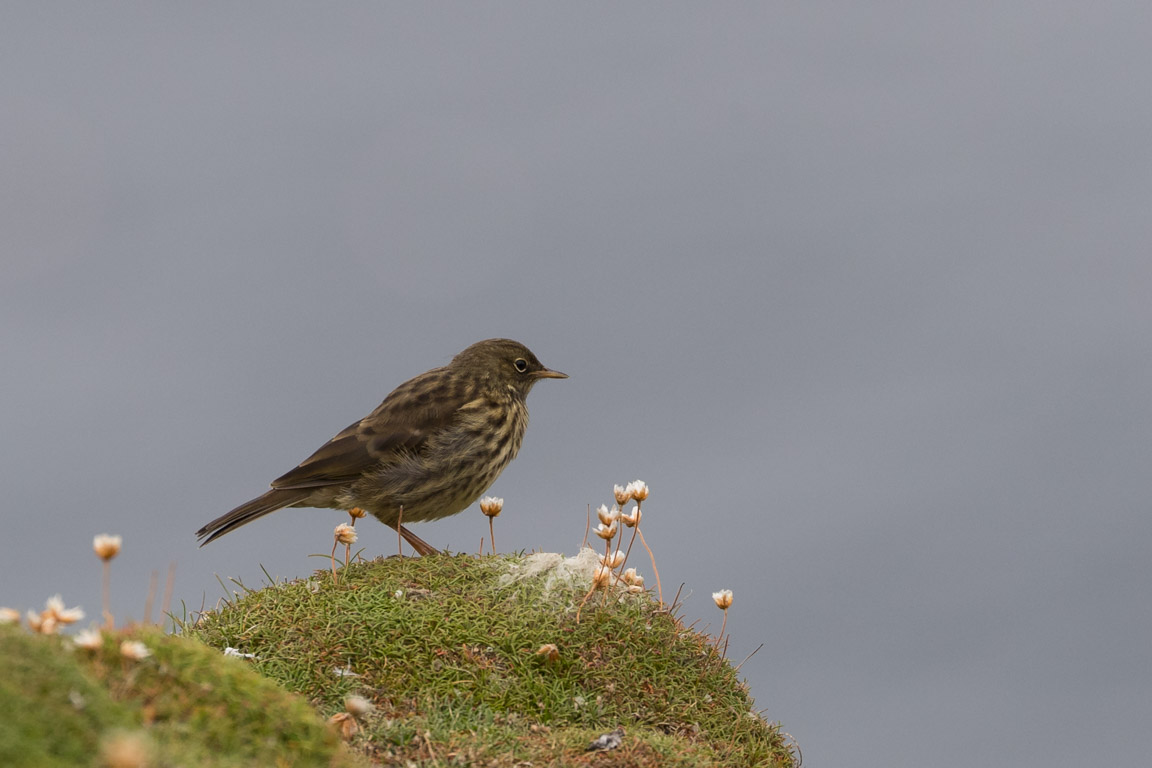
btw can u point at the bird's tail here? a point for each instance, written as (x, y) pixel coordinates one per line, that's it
(248, 511)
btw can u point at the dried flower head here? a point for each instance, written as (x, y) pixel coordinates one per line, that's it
(44, 623)
(638, 489)
(548, 652)
(9, 616)
(105, 546)
(632, 578)
(356, 513)
(602, 576)
(127, 750)
(606, 532)
(614, 560)
(633, 519)
(606, 515)
(357, 706)
(345, 534)
(89, 639)
(723, 599)
(134, 650)
(344, 723)
(491, 506)
(623, 494)
(55, 608)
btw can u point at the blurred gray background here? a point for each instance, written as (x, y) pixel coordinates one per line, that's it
(861, 290)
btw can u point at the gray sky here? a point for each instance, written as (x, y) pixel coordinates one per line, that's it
(861, 290)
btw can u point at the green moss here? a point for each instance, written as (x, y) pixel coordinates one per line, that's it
(446, 651)
(55, 712)
(185, 705)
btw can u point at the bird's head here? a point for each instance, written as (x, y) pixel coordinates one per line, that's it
(503, 363)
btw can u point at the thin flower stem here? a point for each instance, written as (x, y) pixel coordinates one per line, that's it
(586, 596)
(635, 530)
(659, 591)
(109, 622)
(335, 579)
(607, 564)
(723, 624)
(587, 528)
(492, 530)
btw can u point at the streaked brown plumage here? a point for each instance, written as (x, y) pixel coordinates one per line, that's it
(432, 447)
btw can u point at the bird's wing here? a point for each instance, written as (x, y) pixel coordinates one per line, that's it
(400, 425)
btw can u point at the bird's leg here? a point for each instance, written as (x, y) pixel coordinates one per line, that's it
(422, 547)
(400, 527)
(418, 544)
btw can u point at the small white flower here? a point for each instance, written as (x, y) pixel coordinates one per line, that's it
(638, 489)
(105, 546)
(89, 639)
(601, 576)
(631, 577)
(345, 534)
(357, 706)
(723, 599)
(606, 532)
(632, 519)
(54, 607)
(491, 505)
(134, 649)
(623, 495)
(9, 616)
(70, 615)
(613, 561)
(607, 516)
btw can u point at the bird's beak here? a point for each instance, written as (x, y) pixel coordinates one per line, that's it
(547, 373)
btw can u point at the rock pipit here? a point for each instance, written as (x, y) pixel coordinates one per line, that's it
(428, 451)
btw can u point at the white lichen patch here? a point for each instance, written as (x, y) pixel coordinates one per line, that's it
(554, 570)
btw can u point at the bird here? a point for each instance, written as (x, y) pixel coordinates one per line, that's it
(429, 450)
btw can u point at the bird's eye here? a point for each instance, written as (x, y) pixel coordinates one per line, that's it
(521, 364)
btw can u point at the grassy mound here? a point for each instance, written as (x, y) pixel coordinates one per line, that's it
(447, 649)
(185, 704)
